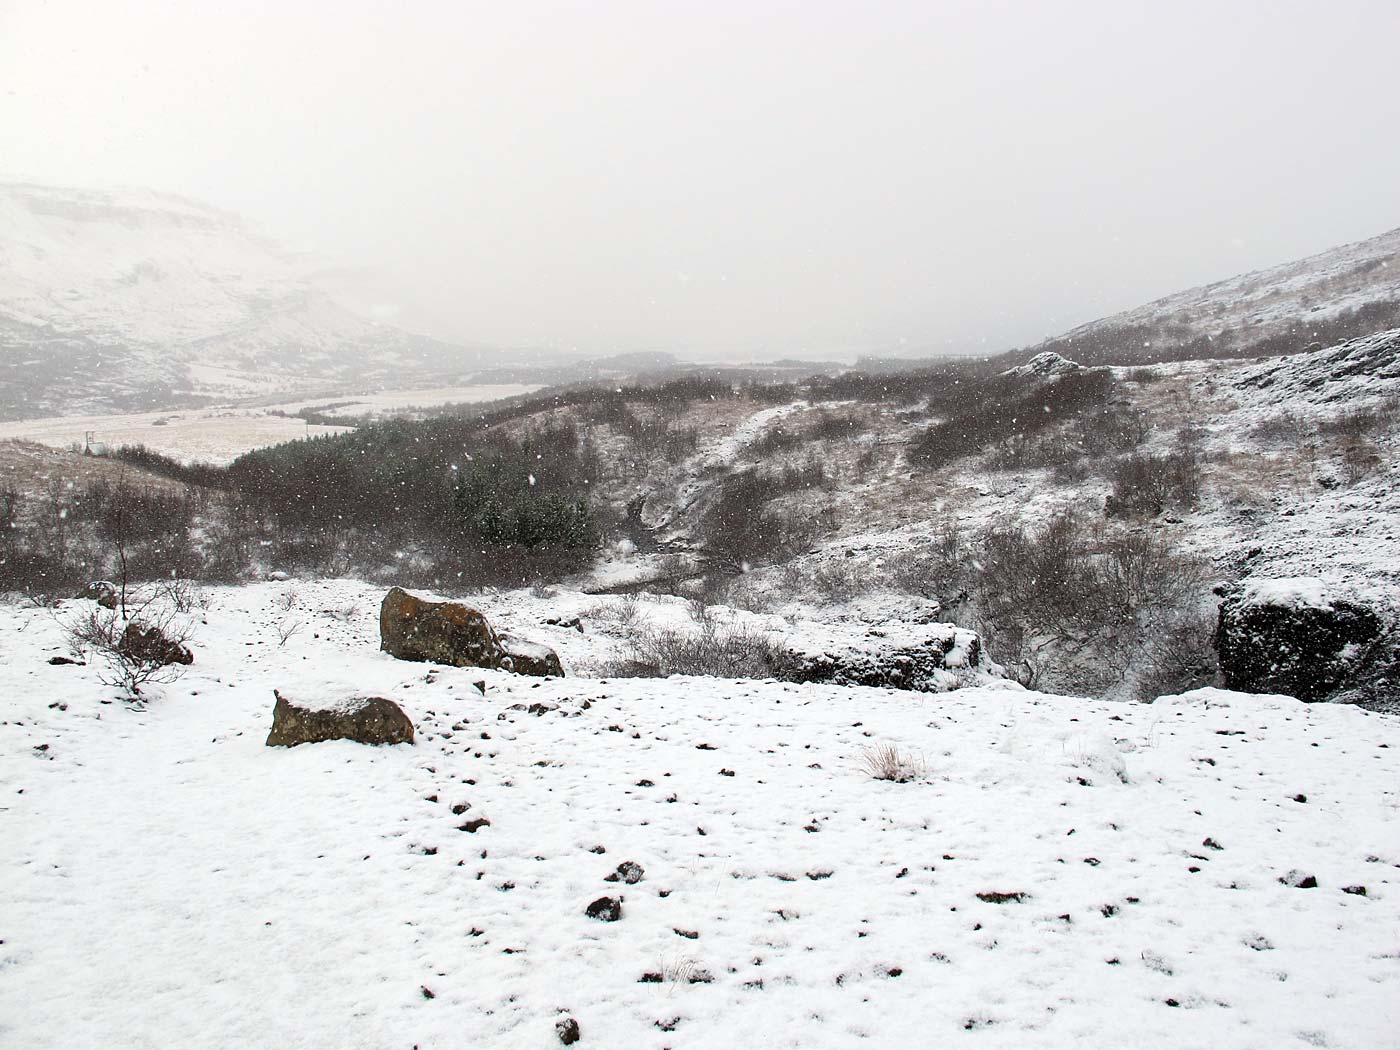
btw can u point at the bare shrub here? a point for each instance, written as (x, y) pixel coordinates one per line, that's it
(987, 413)
(1147, 484)
(1105, 602)
(184, 596)
(711, 650)
(887, 762)
(741, 527)
(287, 629)
(147, 648)
(1284, 426)
(1360, 459)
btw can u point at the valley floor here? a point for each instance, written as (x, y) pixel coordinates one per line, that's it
(170, 881)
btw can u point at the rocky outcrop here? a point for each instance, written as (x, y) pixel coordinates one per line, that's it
(923, 657)
(363, 719)
(458, 635)
(1294, 637)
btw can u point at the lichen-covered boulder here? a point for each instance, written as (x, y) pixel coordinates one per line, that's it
(530, 658)
(1294, 637)
(363, 719)
(458, 635)
(451, 633)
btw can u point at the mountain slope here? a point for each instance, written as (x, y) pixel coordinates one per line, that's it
(137, 299)
(1318, 301)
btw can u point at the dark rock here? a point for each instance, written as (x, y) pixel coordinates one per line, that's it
(530, 658)
(150, 646)
(628, 871)
(923, 657)
(1292, 637)
(1359, 891)
(59, 661)
(1299, 880)
(103, 592)
(605, 909)
(473, 826)
(366, 720)
(567, 1031)
(995, 897)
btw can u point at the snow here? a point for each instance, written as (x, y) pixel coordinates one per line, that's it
(1296, 592)
(172, 881)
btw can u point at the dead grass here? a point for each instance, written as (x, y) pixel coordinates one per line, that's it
(887, 762)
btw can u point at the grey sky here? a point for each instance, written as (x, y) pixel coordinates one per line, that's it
(731, 178)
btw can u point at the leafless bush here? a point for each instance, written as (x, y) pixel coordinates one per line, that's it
(184, 596)
(287, 629)
(886, 762)
(288, 599)
(1147, 484)
(1360, 459)
(1284, 426)
(1071, 591)
(148, 647)
(711, 650)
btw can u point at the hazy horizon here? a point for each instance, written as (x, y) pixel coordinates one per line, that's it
(769, 180)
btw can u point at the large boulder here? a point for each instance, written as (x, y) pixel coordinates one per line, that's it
(364, 719)
(456, 634)
(1295, 637)
(932, 657)
(451, 633)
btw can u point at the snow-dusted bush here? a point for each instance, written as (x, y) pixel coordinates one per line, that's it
(710, 649)
(147, 647)
(1147, 484)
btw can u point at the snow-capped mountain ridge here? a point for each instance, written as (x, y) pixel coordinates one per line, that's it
(135, 297)
(1317, 301)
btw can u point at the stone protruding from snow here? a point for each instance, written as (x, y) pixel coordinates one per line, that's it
(605, 909)
(930, 658)
(364, 719)
(530, 658)
(103, 592)
(451, 633)
(456, 634)
(1294, 637)
(1044, 365)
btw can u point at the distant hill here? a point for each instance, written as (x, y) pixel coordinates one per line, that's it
(1319, 301)
(133, 299)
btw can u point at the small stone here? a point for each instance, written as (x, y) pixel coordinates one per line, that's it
(567, 1031)
(605, 909)
(1299, 880)
(1359, 891)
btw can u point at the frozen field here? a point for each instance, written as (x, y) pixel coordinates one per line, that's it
(1065, 873)
(220, 435)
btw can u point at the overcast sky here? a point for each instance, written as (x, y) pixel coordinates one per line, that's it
(727, 178)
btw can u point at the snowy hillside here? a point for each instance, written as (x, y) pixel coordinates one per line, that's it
(1346, 291)
(1060, 873)
(136, 299)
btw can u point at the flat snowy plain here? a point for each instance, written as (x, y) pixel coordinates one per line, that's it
(169, 881)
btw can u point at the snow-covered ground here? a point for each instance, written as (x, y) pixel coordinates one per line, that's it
(220, 434)
(170, 881)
